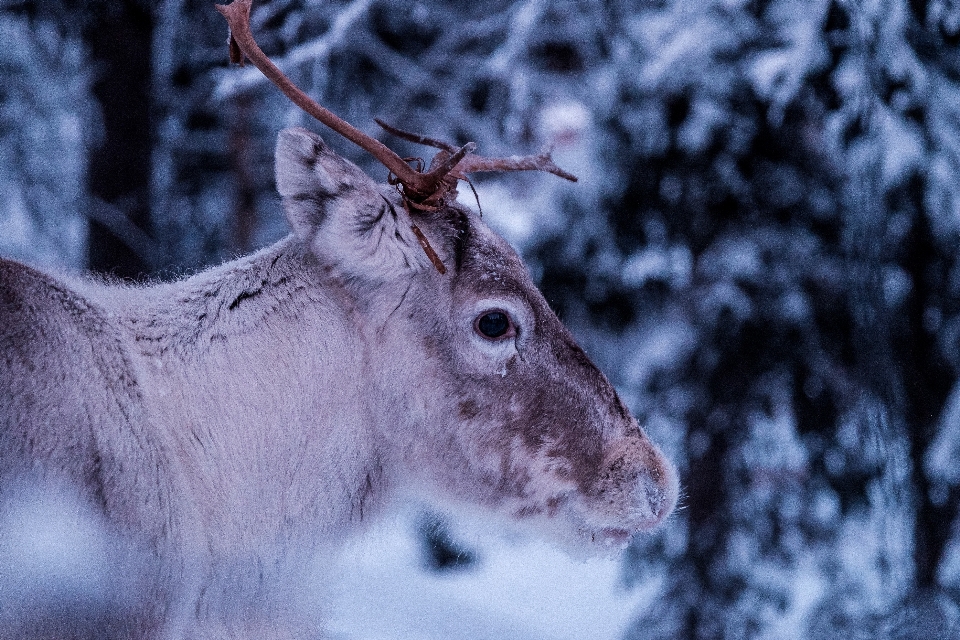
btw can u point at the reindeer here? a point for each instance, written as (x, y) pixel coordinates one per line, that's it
(220, 431)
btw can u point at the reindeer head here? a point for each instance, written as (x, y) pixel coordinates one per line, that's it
(521, 418)
(477, 391)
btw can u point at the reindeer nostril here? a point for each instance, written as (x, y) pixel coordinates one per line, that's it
(637, 487)
(656, 492)
(649, 496)
(637, 503)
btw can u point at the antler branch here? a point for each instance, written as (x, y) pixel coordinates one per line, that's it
(474, 163)
(416, 138)
(237, 13)
(424, 190)
(539, 162)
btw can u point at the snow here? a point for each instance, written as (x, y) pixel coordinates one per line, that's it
(56, 553)
(58, 562)
(56, 545)
(940, 459)
(673, 266)
(741, 164)
(520, 589)
(44, 136)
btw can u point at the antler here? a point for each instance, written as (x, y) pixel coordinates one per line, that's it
(475, 164)
(422, 190)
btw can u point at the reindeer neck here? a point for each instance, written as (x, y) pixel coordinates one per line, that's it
(256, 370)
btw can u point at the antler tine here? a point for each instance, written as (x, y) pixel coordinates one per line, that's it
(415, 137)
(417, 185)
(472, 163)
(540, 162)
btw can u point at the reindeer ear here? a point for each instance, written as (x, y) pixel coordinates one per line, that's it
(311, 178)
(340, 211)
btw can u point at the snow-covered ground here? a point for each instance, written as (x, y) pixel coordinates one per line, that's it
(55, 555)
(518, 588)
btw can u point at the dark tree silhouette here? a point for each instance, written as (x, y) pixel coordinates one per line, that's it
(762, 252)
(119, 38)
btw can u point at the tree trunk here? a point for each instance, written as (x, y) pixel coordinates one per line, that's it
(119, 41)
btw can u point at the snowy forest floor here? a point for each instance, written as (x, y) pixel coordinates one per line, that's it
(517, 588)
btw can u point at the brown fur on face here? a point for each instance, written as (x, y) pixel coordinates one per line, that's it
(535, 430)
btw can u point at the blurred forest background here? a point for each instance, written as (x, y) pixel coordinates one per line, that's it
(762, 252)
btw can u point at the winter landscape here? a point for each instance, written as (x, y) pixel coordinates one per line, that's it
(762, 253)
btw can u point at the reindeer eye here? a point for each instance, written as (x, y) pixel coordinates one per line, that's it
(493, 324)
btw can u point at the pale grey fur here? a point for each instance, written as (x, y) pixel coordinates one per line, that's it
(225, 428)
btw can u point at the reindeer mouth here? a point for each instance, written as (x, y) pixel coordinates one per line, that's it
(612, 538)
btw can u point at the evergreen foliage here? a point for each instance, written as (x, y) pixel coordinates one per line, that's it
(762, 252)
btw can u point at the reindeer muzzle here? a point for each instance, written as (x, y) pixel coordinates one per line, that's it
(635, 490)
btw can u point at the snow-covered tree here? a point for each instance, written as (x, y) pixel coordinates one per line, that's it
(762, 250)
(47, 122)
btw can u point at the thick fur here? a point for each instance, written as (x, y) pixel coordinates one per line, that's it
(226, 428)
